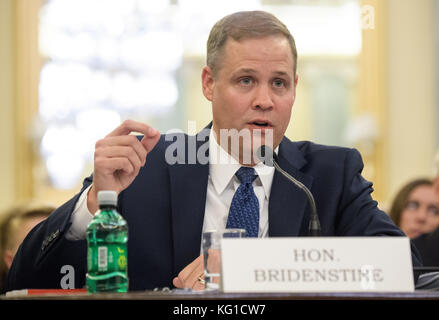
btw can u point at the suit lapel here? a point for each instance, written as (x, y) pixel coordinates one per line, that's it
(188, 197)
(288, 203)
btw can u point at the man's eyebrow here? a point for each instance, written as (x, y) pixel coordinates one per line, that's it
(245, 70)
(282, 73)
(249, 70)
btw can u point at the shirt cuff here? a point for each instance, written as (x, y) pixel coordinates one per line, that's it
(80, 219)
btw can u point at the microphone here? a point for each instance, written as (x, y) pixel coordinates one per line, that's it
(269, 158)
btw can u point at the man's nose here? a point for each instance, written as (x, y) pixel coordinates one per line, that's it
(263, 98)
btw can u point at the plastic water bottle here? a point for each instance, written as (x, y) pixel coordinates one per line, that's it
(107, 236)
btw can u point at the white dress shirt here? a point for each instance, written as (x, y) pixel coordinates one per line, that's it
(221, 187)
(223, 183)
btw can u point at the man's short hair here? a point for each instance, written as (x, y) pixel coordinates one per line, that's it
(244, 25)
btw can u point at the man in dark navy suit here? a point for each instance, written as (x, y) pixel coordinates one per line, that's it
(168, 197)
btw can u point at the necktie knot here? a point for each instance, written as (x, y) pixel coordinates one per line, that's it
(246, 175)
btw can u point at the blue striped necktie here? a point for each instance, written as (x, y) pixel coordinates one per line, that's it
(244, 210)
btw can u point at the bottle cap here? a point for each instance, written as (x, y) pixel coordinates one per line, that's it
(107, 198)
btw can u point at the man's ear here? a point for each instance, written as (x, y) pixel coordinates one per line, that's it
(296, 81)
(436, 185)
(8, 257)
(207, 82)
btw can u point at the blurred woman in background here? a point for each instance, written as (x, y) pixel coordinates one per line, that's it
(15, 224)
(415, 208)
(428, 243)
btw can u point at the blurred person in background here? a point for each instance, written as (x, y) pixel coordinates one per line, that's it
(428, 246)
(415, 208)
(15, 224)
(428, 243)
(436, 179)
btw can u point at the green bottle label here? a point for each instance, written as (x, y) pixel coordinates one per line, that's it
(107, 258)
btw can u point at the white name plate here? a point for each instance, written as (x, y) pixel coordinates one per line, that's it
(325, 264)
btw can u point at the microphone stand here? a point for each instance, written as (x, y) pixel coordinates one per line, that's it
(314, 223)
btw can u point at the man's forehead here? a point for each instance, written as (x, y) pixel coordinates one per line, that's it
(271, 45)
(248, 58)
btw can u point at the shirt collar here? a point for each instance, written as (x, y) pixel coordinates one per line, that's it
(222, 168)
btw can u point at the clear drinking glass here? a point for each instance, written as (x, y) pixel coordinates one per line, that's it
(211, 245)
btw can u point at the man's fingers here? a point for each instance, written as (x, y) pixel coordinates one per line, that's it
(122, 152)
(177, 283)
(150, 135)
(110, 165)
(121, 141)
(188, 277)
(198, 286)
(150, 140)
(129, 126)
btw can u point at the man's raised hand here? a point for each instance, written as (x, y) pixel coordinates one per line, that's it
(118, 158)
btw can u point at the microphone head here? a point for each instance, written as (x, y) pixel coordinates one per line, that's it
(266, 155)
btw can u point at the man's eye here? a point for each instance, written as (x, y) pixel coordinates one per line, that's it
(245, 81)
(279, 83)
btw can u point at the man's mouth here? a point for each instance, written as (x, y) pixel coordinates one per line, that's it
(261, 123)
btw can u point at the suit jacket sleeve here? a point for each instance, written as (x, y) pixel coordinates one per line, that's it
(428, 247)
(359, 213)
